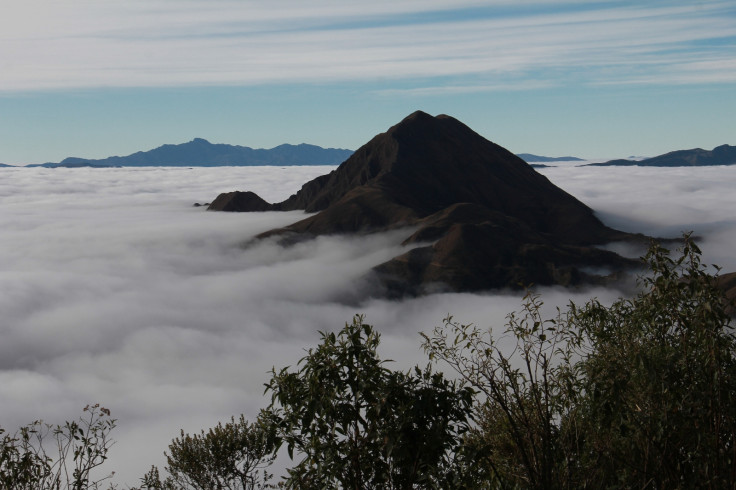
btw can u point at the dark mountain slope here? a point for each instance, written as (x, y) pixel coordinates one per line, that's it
(473, 248)
(426, 164)
(493, 219)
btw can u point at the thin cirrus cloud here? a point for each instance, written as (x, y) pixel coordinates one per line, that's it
(51, 45)
(116, 290)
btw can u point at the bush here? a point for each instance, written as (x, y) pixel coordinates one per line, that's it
(231, 456)
(41, 456)
(659, 381)
(358, 424)
(641, 394)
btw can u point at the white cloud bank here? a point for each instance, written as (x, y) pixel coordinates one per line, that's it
(114, 289)
(162, 43)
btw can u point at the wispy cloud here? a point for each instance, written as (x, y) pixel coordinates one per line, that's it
(50, 45)
(464, 89)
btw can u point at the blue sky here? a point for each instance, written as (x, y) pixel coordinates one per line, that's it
(595, 79)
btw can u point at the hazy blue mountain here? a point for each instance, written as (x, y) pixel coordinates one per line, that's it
(529, 158)
(200, 152)
(697, 157)
(6, 165)
(73, 163)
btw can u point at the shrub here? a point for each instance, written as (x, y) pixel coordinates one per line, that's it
(232, 456)
(41, 456)
(640, 394)
(357, 424)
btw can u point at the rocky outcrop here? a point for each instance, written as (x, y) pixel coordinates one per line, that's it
(239, 201)
(479, 216)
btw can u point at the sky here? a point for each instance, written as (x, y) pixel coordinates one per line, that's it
(116, 290)
(592, 78)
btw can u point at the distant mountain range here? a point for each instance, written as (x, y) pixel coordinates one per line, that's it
(201, 153)
(529, 158)
(697, 157)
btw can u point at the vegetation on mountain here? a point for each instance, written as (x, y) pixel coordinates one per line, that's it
(637, 394)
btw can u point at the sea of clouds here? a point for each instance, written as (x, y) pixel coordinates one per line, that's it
(115, 289)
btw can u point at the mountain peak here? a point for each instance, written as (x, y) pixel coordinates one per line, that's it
(438, 178)
(416, 116)
(422, 122)
(200, 141)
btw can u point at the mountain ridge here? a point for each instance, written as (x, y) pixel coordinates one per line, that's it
(531, 158)
(695, 157)
(200, 152)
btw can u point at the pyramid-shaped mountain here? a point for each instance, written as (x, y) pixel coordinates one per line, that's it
(477, 216)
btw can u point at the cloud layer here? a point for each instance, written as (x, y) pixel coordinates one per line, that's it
(469, 45)
(116, 290)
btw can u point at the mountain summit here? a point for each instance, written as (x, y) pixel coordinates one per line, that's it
(477, 216)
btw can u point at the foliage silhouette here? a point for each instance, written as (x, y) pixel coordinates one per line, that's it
(41, 456)
(357, 424)
(639, 394)
(233, 456)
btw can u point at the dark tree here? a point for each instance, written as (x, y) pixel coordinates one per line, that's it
(233, 456)
(355, 424)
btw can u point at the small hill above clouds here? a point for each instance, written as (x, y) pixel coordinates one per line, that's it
(477, 216)
(200, 152)
(720, 155)
(529, 158)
